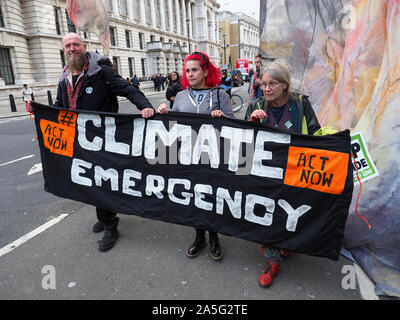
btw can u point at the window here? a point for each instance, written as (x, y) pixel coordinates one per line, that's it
(128, 38)
(130, 66)
(70, 24)
(152, 39)
(112, 37)
(6, 69)
(115, 63)
(158, 64)
(57, 19)
(141, 41)
(210, 31)
(1, 18)
(62, 57)
(143, 61)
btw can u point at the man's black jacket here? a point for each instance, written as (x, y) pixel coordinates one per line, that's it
(100, 88)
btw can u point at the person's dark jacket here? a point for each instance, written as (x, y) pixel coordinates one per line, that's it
(135, 82)
(100, 88)
(172, 90)
(157, 81)
(307, 122)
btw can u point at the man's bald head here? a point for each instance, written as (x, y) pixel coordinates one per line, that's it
(72, 36)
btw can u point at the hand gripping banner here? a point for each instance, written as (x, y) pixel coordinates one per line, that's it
(231, 176)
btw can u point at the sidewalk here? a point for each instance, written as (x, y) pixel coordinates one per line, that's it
(5, 112)
(149, 262)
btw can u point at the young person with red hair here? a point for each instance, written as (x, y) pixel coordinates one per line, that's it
(201, 94)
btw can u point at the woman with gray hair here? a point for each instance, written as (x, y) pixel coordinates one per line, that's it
(280, 108)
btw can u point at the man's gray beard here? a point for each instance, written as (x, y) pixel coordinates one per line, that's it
(76, 63)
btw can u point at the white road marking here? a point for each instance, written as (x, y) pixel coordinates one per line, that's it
(23, 158)
(367, 287)
(13, 119)
(35, 169)
(13, 245)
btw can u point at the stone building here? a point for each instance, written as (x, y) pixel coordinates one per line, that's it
(239, 37)
(147, 37)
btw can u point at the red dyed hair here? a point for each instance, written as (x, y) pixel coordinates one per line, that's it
(213, 78)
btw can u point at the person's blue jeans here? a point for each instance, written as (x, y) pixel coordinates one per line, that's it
(271, 253)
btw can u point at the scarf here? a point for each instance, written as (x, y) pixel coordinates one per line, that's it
(72, 90)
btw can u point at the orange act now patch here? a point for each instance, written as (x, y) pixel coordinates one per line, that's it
(317, 169)
(59, 137)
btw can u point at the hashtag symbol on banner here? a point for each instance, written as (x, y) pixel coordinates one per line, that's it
(67, 118)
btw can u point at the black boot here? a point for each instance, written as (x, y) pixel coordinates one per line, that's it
(198, 244)
(98, 227)
(110, 236)
(215, 247)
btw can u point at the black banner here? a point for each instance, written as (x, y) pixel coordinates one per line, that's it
(231, 176)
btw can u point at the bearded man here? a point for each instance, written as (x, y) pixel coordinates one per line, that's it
(88, 82)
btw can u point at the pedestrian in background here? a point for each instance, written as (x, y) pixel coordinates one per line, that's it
(157, 82)
(135, 81)
(173, 88)
(27, 93)
(226, 81)
(162, 81)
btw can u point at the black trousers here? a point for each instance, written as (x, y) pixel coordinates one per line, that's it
(202, 232)
(108, 218)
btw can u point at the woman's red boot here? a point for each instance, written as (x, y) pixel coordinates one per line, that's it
(271, 270)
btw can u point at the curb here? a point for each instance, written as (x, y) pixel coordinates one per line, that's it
(14, 114)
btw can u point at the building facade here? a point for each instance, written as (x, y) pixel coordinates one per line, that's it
(239, 37)
(147, 37)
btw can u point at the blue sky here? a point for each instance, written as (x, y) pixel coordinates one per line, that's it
(252, 7)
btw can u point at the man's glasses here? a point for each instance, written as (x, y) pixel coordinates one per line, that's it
(271, 84)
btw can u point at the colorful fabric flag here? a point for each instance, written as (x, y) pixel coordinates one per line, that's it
(345, 55)
(91, 16)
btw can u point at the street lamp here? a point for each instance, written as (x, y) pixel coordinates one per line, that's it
(188, 32)
(225, 46)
